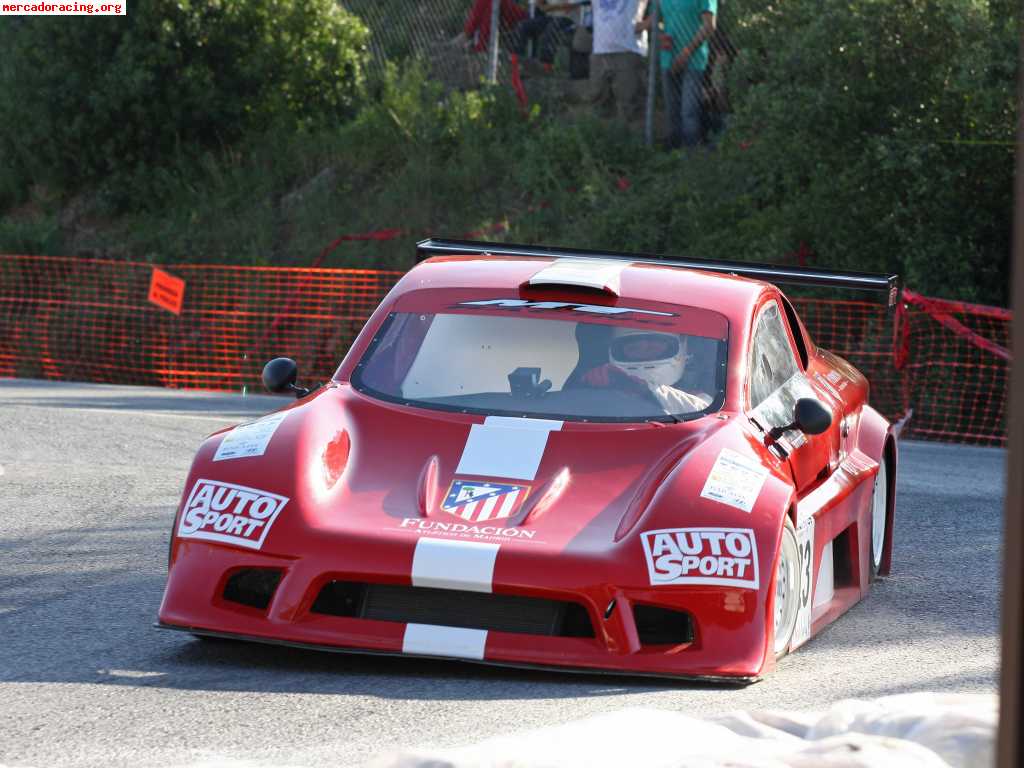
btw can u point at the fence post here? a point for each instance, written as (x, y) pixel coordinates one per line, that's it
(529, 46)
(495, 34)
(1011, 688)
(653, 54)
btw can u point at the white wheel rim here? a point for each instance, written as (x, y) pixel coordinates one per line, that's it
(878, 511)
(787, 588)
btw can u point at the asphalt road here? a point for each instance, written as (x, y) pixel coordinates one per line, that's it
(90, 476)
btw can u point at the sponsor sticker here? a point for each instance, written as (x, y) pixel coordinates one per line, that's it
(735, 480)
(476, 501)
(442, 529)
(805, 543)
(229, 513)
(250, 439)
(722, 556)
(592, 309)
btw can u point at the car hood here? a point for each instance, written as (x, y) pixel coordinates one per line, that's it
(366, 467)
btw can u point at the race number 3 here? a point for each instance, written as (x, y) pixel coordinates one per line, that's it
(805, 542)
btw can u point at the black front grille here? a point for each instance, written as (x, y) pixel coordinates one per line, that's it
(662, 626)
(453, 608)
(253, 587)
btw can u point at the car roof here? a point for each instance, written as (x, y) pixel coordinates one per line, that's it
(729, 295)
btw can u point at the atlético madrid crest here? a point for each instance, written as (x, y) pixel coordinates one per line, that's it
(476, 501)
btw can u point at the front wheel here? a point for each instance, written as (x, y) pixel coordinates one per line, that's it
(879, 515)
(787, 589)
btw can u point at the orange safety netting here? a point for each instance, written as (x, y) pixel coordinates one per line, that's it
(945, 362)
(954, 365)
(90, 320)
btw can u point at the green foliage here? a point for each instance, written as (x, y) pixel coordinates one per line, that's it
(36, 235)
(880, 134)
(401, 27)
(112, 97)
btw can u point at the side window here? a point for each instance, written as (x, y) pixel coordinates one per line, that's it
(772, 363)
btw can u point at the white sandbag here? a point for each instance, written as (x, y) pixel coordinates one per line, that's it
(921, 730)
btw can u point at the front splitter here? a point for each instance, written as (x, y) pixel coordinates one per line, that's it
(702, 679)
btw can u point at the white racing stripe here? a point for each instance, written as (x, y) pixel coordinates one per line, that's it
(514, 422)
(454, 564)
(430, 640)
(506, 447)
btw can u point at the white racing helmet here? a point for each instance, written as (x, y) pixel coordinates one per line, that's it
(657, 358)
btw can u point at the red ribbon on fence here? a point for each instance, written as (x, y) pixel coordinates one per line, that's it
(380, 234)
(517, 84)
(941, 310)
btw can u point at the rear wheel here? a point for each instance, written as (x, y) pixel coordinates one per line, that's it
(879, 513)
(787, 589)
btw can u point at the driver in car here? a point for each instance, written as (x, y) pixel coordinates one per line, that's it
(649, 362)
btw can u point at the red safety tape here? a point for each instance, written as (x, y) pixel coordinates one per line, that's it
(517, 84)
(963, 307)
(380, 234)
(940, 310)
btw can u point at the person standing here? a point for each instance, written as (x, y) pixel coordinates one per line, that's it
(551, 25)
(476, 32)
(688, 24)
(617, 57)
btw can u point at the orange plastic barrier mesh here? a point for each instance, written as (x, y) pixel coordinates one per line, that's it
(954, 365)
(91, 320)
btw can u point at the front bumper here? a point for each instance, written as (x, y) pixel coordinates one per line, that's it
(727, 641)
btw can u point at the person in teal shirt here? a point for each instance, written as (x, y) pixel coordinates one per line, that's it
(687, 26)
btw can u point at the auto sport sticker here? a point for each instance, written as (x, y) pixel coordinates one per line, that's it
(723, 556)
(734, 480)
(229, 513)
(805, 543)
(476, 501)
(249, 439)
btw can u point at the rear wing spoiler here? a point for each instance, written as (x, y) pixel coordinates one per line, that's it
(888, 285)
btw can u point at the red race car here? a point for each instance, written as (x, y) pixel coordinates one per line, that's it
(551, 457)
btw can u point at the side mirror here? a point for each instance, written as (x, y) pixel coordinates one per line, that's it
(809, 416)
(279, 376)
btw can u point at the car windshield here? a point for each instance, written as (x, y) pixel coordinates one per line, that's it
(567, 367)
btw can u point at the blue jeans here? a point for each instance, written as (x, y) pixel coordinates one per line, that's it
(684, 107)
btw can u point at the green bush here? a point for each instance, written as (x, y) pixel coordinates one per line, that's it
(880, 133)
(98, 98)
